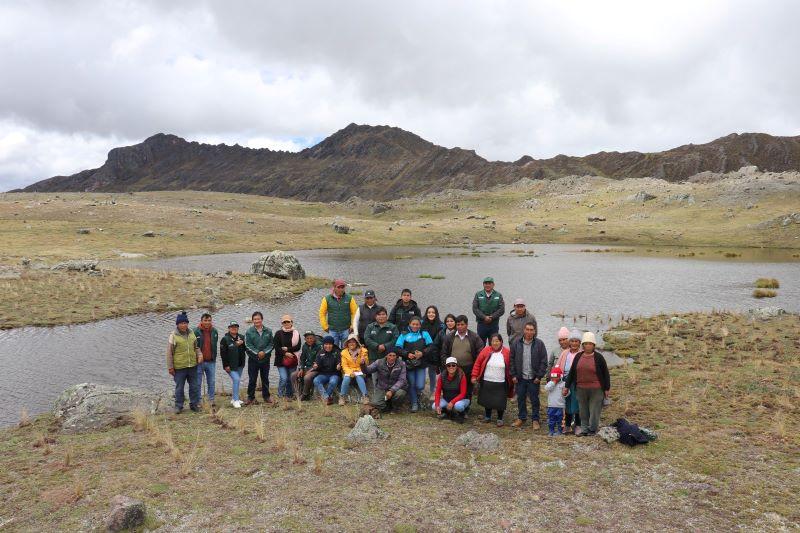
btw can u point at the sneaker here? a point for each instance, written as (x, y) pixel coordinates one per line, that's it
(517, 423)
(535, 425)
(591, 433)
(414, 407)
(251, 401)
(550, 433)
(486, 420)
(177, 410)
(500, 423)
(194, 408)
(341, 400)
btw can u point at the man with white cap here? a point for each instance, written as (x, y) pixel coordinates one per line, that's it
(517, 318)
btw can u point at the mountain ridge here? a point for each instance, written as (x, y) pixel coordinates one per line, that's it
(385, 162)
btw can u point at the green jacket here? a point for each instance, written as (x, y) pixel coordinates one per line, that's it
(375, 335)
(492, 306)
(340, 316)
(254, 343)
(184, 350)
(214, 341)
(309, 354)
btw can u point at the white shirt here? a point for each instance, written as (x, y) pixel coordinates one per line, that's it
(495, 368)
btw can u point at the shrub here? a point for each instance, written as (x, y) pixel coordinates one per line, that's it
(767, 283)
(764, 293)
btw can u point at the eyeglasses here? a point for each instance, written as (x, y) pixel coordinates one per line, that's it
(286, 322)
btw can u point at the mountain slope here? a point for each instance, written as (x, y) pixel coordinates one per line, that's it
(382, 162)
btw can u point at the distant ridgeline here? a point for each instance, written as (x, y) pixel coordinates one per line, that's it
(382, 162)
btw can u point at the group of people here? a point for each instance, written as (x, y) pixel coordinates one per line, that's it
(388, 355)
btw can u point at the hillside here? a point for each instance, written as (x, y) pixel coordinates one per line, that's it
(382, 162)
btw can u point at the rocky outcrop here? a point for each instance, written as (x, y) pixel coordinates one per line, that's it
(766, 313)
(278, 264)
(89, 406)
(126, 514)
(365, 431)
(384, 163)
(84, 265)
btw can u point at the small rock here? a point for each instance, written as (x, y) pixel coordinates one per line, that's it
(126, 514)
(477, 442)
(366, 430)
(677, 321)
(641, 197)
(25, 261)
(251, 221)
(596, 218)
(149, 234)
(766, 313)
(649, 433)
(377, 209)
(341, 228)
(83, 231)
(522, 228)
(608, 434)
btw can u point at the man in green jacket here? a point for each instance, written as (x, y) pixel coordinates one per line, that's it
(183, 356)
(488, 306)
(207, 341)
(258, 345)
(304, 375)
(380, 335)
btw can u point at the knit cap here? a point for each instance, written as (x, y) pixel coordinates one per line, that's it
(328, 339)
(563, 333)
(575, 334)
(182, 317)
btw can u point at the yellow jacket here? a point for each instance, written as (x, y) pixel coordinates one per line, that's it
(352, 364)
(323, 313)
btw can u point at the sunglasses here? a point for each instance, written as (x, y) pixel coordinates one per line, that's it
(340, 286)
(286, 322)
(451, 364)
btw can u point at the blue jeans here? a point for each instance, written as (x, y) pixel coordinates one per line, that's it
(526, 388)
(208, 368)
(326, 384)
(485, 331)
(416, 383)
(362, 385)
(339, 336)
(285, 382)
(459, 406)
(236, 377)
(181, 377)
(432, 379)
(554, 417)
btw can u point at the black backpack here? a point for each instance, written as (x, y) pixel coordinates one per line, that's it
(629, 433)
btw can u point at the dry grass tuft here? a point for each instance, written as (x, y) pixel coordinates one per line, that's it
(764, 293)
(191, 459)
(260, 430)
(24, 418)
(142, 420)
(767, 283)
(319, 460)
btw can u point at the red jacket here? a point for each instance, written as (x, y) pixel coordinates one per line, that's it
(483, 358)
(462, 389)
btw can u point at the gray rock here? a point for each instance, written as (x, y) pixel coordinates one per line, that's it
(649, 433)
(7, 272)
(677, 321)
(83, 231)
(595, 218)
(608, 434)
(89, 406)
(250, 221)
(613, 360)
(278, 264)
(365, 431)
(641, 197)
(126, 513)
(149, 234)
(766, 313)
(83, 265)
(377, 209)
(681, 198)
(25, 261)
(531, 203)
(522, 228)
(476, 217)
(621, 336)
(479, 442)
(341, 228)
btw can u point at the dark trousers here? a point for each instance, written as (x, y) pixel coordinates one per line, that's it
(181, 377)
(485, 331)
(526, 388)
(254, 368)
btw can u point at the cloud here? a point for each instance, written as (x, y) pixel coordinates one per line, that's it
(504, 78)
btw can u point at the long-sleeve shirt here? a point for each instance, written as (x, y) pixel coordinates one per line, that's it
(255, 342)
(462, 390)
(555, 394)
(323, 314)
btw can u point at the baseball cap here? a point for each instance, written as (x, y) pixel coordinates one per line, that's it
(519, 301)
(450, 360)
(309, 332)
(488, 279)
(233, 323)
(369, 294)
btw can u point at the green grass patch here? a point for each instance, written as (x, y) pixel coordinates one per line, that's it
(430, 276)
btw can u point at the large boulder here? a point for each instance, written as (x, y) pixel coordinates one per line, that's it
(278, 264)
(126, 514)
(765, 313)
(365, 431)
(89, 406)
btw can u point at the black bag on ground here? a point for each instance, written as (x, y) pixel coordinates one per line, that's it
(629, 433)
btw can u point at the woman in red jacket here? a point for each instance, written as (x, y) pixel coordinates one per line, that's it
(450, 399)
(493, 370)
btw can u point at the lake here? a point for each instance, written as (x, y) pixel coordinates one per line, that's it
(41, 362)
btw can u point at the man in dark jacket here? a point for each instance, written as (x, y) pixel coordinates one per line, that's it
(515, 323)
(258, 343)
(366, 313)
(207, 340)
(391, 382)
(465, 345)
(380, 334)
(488, 306)
(404, 310)
(232, 353)
(327, 366)
(528, 366)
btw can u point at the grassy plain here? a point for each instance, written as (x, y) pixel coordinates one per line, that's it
(720, 389)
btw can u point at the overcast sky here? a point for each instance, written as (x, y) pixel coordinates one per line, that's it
(503, 78)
